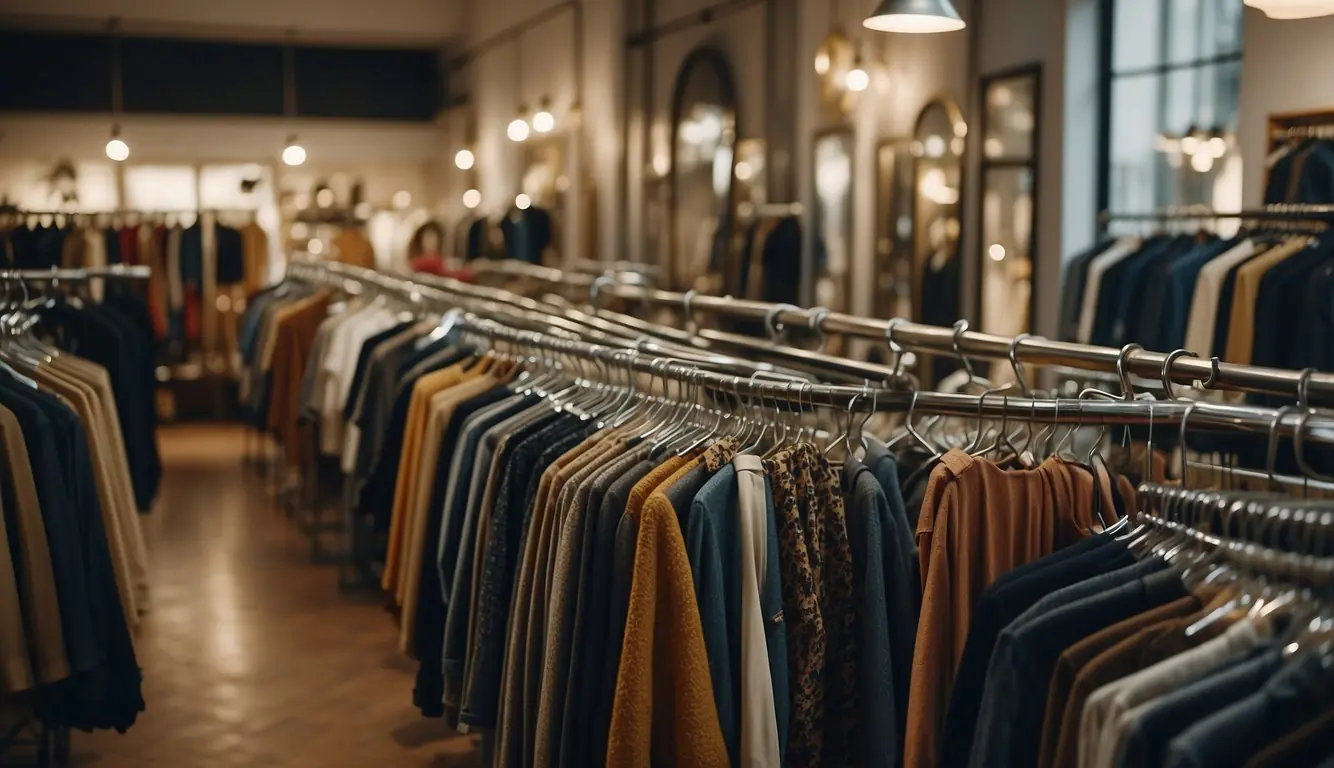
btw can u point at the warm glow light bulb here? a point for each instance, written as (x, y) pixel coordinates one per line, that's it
(1190, 144)
(543, 121)
(471, 199)
(294, 154)
(822, 63)
(118, 150)
(1202, 162)
(522, 201)
(996, 252)
(857, 80)
(402, 199)
(518, 129)
(464, 159)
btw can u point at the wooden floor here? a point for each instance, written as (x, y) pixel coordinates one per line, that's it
(251, 655)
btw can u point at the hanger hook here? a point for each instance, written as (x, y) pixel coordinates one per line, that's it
(596, 288)
(1304, 387)
(1167, 370)
(1019, 373)
(894, 347)
(1185, 417)
(816, 323)
(1271, 454)
(1127, 389)
(960, 328)
(688, 297)
(772, 325)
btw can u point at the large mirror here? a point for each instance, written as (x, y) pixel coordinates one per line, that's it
(937, 148)
(893, 229)
(1009, 179)
(833, 159)
(703, 137)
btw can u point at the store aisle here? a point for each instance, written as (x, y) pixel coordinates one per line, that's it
(251, 655)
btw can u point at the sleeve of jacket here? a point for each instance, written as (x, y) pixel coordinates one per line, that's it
(880, 744)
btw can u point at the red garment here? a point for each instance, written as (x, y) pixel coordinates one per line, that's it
(192, 314)
(434, 264)
(129, 245)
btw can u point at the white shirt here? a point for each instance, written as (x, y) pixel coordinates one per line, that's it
(1101, 263)
(759, 724)
(339, 367)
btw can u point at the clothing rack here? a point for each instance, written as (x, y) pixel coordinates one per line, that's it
(1325, 131)
(1313, 213)
(747, 211)
(1314, 426)
(113, 272)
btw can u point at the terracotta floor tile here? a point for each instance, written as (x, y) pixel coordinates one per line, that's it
(251, 655)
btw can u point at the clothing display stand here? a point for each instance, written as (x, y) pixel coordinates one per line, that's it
(357, 570)
(52, 744)
(1316, 426)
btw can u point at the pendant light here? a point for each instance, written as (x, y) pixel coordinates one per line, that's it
(518, 129)
(293, 153)
(857, 79)
(1293, 9)
(543, 120)
(117, 149)
(914, 16)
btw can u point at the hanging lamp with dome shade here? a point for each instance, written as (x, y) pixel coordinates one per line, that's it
(1293, 9)
(914, 17)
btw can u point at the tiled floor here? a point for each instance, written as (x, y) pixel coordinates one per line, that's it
(251, 655)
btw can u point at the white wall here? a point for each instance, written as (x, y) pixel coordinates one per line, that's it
(1016, 33)
(1285, 68)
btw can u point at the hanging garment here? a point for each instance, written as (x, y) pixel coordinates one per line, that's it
(350, 246)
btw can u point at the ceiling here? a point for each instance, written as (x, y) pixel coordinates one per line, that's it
(415, 23)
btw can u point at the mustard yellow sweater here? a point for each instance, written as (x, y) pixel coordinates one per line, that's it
(663, 712)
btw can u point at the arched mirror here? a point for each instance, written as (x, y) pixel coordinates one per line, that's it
(893, 229)
(703, 138)
(937, 149)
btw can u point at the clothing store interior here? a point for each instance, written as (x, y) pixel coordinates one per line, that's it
(701, 383)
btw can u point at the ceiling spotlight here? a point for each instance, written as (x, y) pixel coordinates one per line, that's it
(471, 199)
(293, 153)
(914, 17)
(544, 121)
(518, 127)
(117, 149)
(464, 159)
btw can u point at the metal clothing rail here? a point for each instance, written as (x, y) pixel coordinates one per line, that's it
(1277, 212)
(1312, 426)
(1179, 367)
(82, 274)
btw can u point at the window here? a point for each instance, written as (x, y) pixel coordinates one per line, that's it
(1171, 82)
